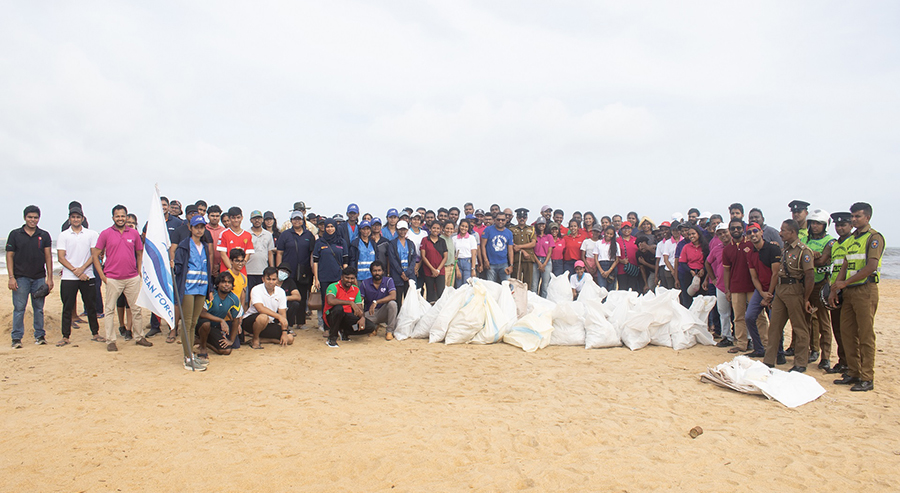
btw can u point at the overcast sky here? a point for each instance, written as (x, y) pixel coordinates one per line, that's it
(601, 106)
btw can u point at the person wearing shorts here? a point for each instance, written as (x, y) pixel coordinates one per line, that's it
(266, 318)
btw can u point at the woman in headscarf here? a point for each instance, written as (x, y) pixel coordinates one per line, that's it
(330, 256)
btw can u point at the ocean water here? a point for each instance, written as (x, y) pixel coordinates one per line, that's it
(890, 263)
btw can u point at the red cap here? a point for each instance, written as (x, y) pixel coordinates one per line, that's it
(627, 223)
(666, 224)
(754, 225)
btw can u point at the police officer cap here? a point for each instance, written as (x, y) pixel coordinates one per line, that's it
(521, 211)
(798, 205)
(840, 217)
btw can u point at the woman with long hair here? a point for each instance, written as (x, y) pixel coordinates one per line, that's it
(466, 243)
(693, 255)
(270, 225)
(572, 251)
(606, 257)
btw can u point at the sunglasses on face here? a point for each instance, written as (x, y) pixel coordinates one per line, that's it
(737, 228)
(752, 231)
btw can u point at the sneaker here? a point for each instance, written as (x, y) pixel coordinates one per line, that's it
(143, 342)
(725, 343)
(194, 365)
(40, 341)
(202, 359)
(112, 347)
(128, 335)
(17, 344)
(331, 343)
(152, 332)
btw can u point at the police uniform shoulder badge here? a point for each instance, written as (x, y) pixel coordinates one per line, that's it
(806, 258)
(874, 243)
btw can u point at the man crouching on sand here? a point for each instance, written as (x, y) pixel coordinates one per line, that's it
(220, 308)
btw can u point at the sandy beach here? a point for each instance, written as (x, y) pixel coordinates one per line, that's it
(411, 416)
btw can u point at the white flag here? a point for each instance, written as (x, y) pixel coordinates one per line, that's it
(156, 276)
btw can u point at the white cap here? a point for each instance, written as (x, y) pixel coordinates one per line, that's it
(402, 225)
(677, 216)
(721, 227)
(706, 214)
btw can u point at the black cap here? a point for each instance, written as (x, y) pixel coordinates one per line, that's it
(76, 210)
(73, 204)
(798, 205)
(522, 211)
(190, 208)
(269, 215)
(235, 211)
(841, 217)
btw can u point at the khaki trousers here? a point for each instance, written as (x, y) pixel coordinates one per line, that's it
(739, 308)
(131, 288)
(789, 304)
(858, 329)
(820, 326)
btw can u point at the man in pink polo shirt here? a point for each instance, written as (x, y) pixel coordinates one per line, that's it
(122, 247)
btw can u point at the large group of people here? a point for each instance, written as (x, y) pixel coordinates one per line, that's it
(234, 286)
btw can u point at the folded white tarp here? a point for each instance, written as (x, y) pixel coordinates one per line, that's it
(752, 377)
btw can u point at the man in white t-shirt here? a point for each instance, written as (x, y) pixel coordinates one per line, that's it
(266, 317)
(665, 254)
(73, 249)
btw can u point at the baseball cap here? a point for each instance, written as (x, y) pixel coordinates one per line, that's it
(598, 228)
(269, 215)
(704, 215)
(256, 214)
(376, 220)
(479, 212)
(751, 225)
(722, 227)
(470, 216)
(365, 224)
(546, 208)
(416, 214)
(665, 223)
(402, 225)
(579, 263)
(627, 224)
(76, 210)
(296, 214)
(198, 219)
(352, 208)
(392, 212)
(338, 217)
(191, 208)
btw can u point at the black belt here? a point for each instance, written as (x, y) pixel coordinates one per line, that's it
(869, 280)
(791, 280)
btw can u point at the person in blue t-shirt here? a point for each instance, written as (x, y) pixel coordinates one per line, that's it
(497, 245)
(220, 309)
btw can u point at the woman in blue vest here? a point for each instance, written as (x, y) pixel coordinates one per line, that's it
(362, 252)
(191, 276)
(402, 255)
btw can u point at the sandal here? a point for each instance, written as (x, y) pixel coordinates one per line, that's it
(64, 342)
(256, 347)
(98, 338)
(171, 337)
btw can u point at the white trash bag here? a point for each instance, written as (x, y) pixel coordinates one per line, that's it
(592, 291)
(413, 309)
(538, 304)
(496, 322)
(559, 288)
(423, 326)
(448, 309)
(598, 332)
(470, 317)
(531, 332)
(568, 324)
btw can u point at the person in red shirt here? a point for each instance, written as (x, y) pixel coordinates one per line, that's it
(234, 237)
(343, 308)
(559, 247)
(628, 278)
(433, 250)
(574, 237)
(739, 286)
(765, 264)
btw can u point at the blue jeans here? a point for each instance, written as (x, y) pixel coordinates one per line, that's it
(543, 276)
(569, 265)
(603, 282)
(465, 270)
(27, 286)
(753, 310)
(558, 267)
(497, 272)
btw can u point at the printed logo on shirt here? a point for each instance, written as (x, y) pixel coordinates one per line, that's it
(498, 243)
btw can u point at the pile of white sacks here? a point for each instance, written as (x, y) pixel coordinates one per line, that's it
(483, 312)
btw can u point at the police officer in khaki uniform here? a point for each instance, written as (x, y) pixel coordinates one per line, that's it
(523, 248)
(791, 301)
(820, 242)
(858, 281)
(844, 230)
(799, 211)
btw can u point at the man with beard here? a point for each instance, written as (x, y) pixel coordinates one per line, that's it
(379, 300)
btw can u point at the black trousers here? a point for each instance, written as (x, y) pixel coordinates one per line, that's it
(434, 288)
(68, 292)
(402, 287)
(296, 315)
(341, 321)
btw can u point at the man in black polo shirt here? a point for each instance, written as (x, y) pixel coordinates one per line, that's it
(29, 265)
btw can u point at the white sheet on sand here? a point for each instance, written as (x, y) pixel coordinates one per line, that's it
(752, 377)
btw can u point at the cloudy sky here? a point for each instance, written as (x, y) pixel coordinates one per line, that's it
(602, 106)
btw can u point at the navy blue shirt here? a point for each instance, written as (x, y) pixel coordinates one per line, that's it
(331, 258)
(296, 250)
